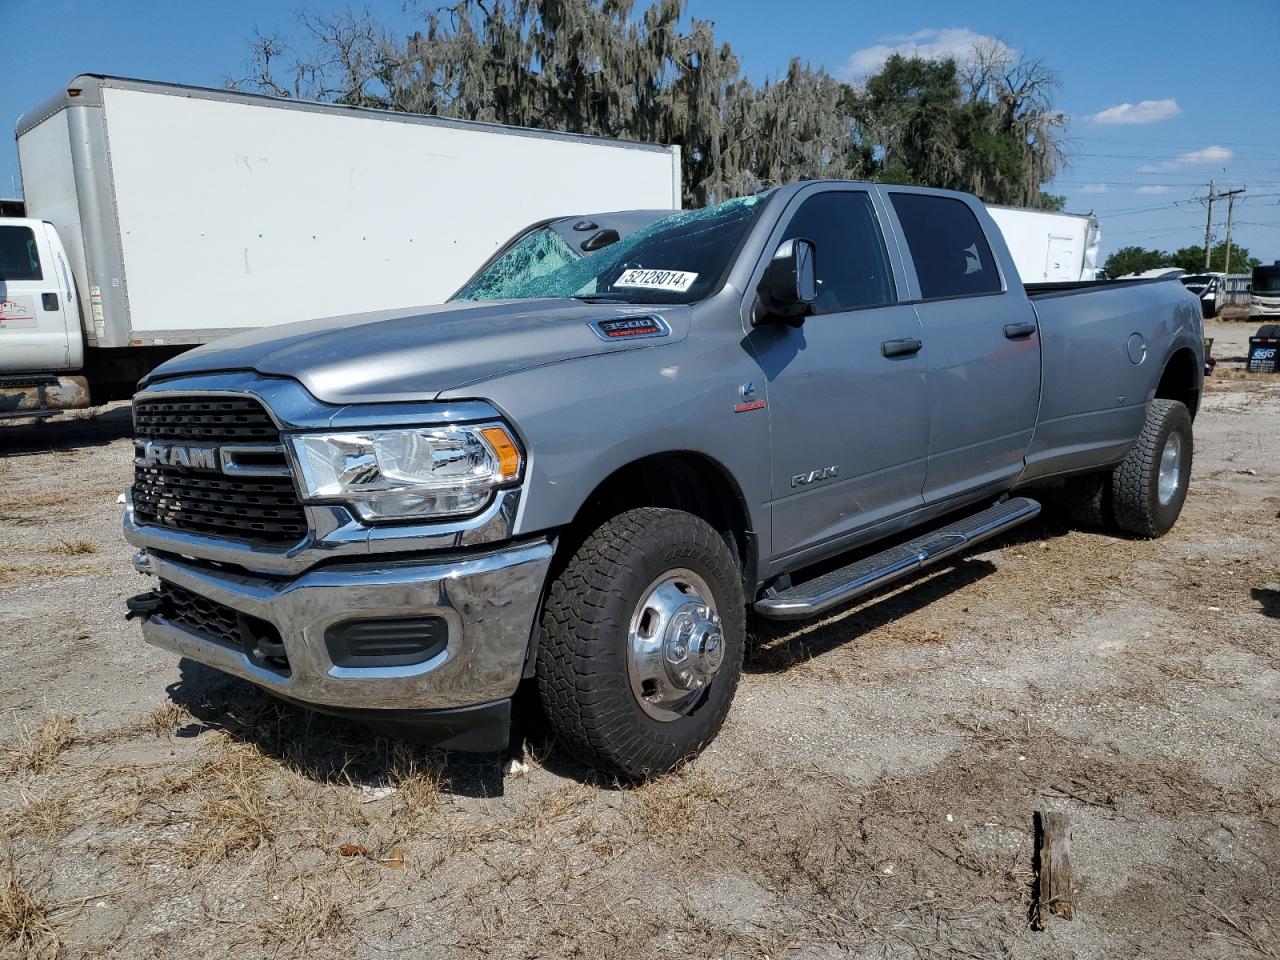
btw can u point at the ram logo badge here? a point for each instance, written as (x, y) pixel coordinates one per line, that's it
(813, 476)
(177, 455)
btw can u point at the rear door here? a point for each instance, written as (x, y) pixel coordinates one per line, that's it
(848, 415)
(1061, 262)
(37, 317)
(981, 346)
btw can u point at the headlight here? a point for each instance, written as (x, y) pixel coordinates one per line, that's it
(408, 474)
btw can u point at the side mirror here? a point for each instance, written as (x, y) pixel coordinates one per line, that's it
(789, 285)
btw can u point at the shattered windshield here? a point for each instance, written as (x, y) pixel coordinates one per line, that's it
(679, 259)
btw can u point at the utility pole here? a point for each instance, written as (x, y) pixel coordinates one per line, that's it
(1208, 228)
(1231, 199)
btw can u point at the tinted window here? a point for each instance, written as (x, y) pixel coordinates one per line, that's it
(18, 257)
(852, 267)
(947, 245)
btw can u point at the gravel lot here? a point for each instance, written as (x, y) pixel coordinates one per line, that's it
(870, 796)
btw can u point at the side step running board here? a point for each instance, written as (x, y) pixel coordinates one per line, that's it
(840, 586)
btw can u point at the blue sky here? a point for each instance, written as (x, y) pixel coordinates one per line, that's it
(1201, 91)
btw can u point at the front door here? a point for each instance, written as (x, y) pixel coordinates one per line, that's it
(849, 424)
(35, 310)
(981, 345)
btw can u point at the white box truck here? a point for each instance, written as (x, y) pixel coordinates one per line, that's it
(1050, 247)
(161, 216)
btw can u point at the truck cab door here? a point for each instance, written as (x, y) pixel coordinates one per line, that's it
(848, 415)
(981, 346)
(39, 325)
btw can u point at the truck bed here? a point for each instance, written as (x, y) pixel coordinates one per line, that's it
(1040, 291)
(1092, 336)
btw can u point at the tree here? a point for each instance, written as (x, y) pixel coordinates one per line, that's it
(987, 128)
(579, 66)
(1128, 260)
(1191, 259)
(601, 67)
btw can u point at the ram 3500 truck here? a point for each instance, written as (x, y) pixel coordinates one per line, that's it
(584, 471)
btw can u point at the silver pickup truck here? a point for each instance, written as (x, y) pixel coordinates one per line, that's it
(584, 470)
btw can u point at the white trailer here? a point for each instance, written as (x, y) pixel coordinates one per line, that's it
(1048, 247)
(162, 216)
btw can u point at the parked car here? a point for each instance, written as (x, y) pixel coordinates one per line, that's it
(583, 478)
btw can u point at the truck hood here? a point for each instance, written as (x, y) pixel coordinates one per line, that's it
(420, 352)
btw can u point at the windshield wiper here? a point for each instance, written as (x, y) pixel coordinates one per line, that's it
(598, 298)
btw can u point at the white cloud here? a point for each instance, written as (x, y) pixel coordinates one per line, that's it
(1209, 156)
(1094, 188)
(954, 42)
(1144, 111)
(1153, 188)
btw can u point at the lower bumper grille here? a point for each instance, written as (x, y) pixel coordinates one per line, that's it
(220, 624)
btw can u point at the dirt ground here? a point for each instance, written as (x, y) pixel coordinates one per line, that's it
(870, 796)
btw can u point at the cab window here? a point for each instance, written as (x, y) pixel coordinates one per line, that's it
(850, 260)
(949, 249)
(19, 259)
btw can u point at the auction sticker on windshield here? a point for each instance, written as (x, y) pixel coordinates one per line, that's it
(677, 281)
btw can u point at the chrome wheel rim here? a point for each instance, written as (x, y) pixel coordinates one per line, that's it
(674, 646)
(1170, 477)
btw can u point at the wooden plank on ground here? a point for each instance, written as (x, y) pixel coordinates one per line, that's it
(1053, 867)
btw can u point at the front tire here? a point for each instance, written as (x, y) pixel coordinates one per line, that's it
(1149, 486)
(641, 644)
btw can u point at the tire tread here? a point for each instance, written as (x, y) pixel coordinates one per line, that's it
(583, 694)
(1133, 481)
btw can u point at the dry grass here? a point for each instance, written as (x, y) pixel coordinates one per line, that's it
(72, 548)
(304, 914)
(46, 817)
(1242, 373)
(38, 749)
(236, 814)
(25, 922)
(33, 501)
(21, 573)
(165, 719)
(417, 779)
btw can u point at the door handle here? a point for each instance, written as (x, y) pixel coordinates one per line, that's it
(900, 348)
(1016, 331)
(49, 301)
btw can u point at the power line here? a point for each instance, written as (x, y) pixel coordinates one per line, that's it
(1168, 143)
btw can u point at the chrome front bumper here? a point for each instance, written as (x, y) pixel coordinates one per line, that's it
(489, 601)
